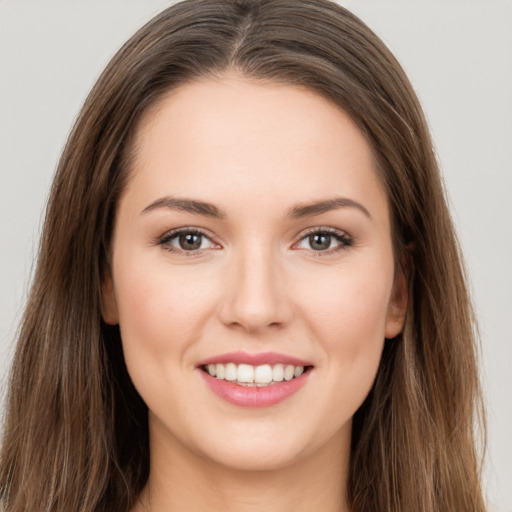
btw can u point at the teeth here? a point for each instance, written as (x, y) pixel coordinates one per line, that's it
(247, 375)
(230, 373)
(220, 371)
(289, 372)
(278, 373)
(263, 374)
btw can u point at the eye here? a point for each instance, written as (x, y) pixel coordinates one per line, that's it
(186, 240)
(324, 241)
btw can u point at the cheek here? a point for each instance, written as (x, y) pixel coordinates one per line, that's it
(161, 314)
(347, 315)
(349, 303)
(348, 319)
(161, 309)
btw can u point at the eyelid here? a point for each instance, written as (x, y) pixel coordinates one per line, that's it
(342, 236)
(164, 240)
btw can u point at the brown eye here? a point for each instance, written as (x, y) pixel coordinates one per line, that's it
(186, 240)
(327, 241)
(319, 241)
(190, 241)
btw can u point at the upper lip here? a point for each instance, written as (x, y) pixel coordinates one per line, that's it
(255, 359)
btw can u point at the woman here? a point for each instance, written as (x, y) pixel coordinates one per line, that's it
(255, 298)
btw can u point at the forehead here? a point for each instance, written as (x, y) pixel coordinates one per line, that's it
(259, 140)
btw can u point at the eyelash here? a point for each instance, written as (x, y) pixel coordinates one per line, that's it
(341, 237)
(171, 235)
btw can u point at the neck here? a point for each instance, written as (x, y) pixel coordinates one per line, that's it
(181, 480)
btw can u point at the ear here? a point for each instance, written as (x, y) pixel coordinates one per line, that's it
(397, 304)
(109, 309)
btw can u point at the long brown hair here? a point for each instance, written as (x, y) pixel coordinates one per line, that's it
(76, 433)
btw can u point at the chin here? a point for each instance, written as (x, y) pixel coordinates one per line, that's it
(272, 447)
(261, 456)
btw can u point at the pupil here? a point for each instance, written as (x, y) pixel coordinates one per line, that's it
(319, 242)
(190, 241)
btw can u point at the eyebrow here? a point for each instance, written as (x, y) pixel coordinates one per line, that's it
(186, 205)
(209, 210)
(319, 207)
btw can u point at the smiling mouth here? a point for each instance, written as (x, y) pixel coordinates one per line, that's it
(255, 376)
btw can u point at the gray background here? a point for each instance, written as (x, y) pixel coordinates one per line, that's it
(458, 55)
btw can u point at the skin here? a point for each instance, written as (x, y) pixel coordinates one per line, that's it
(254, 150)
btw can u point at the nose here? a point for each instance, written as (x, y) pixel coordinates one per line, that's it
(255, 296)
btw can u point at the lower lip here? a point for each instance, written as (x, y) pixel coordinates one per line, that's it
(245, 396)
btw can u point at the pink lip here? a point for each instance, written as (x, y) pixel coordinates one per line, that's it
(245, 396)
(270, 358)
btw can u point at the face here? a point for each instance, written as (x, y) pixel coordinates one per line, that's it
(252, 274)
